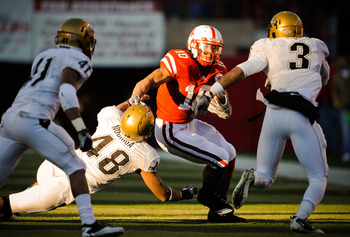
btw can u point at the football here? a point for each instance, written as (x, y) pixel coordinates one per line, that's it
(221, 97)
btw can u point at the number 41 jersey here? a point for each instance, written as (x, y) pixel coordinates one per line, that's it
(38, 97)
(114, 155)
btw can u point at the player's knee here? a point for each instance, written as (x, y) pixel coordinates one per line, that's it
(232, 152)
(318, 181)
(263, 181)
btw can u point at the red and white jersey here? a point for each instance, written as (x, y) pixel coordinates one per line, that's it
(177, 98)
(291, 64)
(114, 155)
(38, 98)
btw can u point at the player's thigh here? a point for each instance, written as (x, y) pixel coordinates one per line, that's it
(10, 155)
(271, 143)
(54, 144)
(182, 140)
(54, 185)
(214, 136)
(310, 147)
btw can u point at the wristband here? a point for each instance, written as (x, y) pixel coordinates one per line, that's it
(171, 194)
(216, 89)
(78, 124)
(127, 101)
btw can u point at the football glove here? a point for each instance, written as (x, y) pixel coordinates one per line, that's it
(223, 109)
(202, 104)
(135, 100)
(85, 140)
(189, 192)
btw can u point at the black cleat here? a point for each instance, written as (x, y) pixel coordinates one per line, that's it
(215, 203)
(228, 218)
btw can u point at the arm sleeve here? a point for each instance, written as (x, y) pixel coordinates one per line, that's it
(257, 60)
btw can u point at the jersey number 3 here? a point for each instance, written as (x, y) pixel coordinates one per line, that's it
(302, 50)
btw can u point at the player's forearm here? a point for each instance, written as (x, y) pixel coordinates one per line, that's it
(142, 87)
(232, 77)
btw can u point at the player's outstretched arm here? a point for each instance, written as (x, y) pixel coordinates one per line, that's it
(165, 193)
(153, 80)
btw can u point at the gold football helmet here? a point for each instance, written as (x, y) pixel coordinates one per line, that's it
(137, 122)
(285, 24)
(78, 33)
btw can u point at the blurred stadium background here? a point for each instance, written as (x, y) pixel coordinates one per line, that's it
(132, 37)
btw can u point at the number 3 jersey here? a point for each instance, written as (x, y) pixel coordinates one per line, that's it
(176, 98)
(38, 98)
(291, 64)
(114, 155)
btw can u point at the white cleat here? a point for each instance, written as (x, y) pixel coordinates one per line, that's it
(303, 226)
(97, 229)
(240, 193)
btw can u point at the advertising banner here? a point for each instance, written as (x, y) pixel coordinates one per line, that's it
(129, 34)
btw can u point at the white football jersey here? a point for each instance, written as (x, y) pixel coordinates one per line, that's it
(114, 155)
(291, 64)
(38, 98)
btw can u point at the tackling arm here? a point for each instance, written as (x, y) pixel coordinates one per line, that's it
(232, 77)
(153, 80)
(165, 193)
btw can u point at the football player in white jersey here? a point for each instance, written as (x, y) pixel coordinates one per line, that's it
(296, 70)
(119, 148)
(56, 76)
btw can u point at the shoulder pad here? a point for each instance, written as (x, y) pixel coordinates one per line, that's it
(174, 60)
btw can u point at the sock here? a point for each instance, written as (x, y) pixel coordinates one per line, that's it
(6, 207)
(83, 202)
(305, 209)
(207, 189)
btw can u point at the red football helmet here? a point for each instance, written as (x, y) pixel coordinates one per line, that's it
(206, 44)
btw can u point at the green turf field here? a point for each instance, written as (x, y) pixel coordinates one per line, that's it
(130, 204)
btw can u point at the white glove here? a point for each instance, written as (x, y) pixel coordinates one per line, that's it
(135, 100)
(202, 104)
(221, 109)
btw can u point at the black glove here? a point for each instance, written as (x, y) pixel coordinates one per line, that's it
(189, 192)
(85, 140)
(202, 104)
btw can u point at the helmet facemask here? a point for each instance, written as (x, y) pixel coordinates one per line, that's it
(208, 53)
(206, 44)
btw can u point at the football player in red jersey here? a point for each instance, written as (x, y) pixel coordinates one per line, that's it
(183, 77)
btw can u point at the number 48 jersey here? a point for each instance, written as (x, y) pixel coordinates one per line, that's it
(114, 155)
(38, 98)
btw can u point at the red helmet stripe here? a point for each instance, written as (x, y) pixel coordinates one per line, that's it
(212, 32)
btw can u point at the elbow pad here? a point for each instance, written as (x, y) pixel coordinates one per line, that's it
(68, 96)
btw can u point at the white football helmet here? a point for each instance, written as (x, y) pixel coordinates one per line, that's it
(206, 44)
